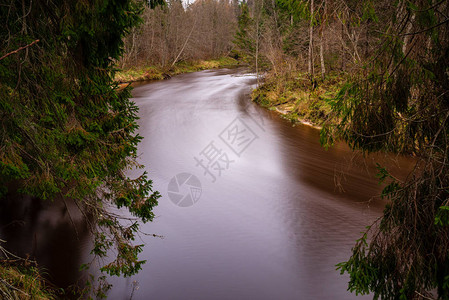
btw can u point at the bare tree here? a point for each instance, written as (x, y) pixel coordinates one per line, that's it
(172, 33)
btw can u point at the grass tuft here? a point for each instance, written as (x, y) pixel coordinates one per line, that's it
(23, 281)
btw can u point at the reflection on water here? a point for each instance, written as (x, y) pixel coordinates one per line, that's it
(54, 234)
(272, 225)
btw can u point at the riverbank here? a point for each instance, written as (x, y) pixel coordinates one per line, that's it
(21, 279)
(160, 73)
(296, 99)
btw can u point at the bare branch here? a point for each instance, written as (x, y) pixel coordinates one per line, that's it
(21, 48)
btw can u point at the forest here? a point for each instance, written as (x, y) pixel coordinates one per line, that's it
(373, 74)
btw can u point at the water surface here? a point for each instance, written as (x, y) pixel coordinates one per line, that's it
(272, 225)
(274, 214)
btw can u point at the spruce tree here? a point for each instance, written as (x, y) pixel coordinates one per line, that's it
(67, 131)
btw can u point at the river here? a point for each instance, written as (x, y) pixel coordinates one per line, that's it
(252, 207)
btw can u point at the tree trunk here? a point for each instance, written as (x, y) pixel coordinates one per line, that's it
(311, 40)
(407, 34)
(323, 68)
(258, 11)
(185, 43)
(323, 21)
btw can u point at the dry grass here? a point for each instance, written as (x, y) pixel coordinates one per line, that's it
(295, 98)
(160, 72)
(22, 282)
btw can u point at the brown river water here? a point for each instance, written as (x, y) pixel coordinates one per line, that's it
(252, 207)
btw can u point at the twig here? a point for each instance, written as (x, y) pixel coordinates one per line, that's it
(70, 217)
(416, 32)
(424, 297)
(429, 8)
(21, 48)
(427, 29)
(12, 287)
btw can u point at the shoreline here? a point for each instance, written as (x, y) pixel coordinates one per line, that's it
(157, 73)
(152, 73)
(293, 97)
(285, 113)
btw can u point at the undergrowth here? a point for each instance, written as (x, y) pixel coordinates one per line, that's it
(298, 98)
